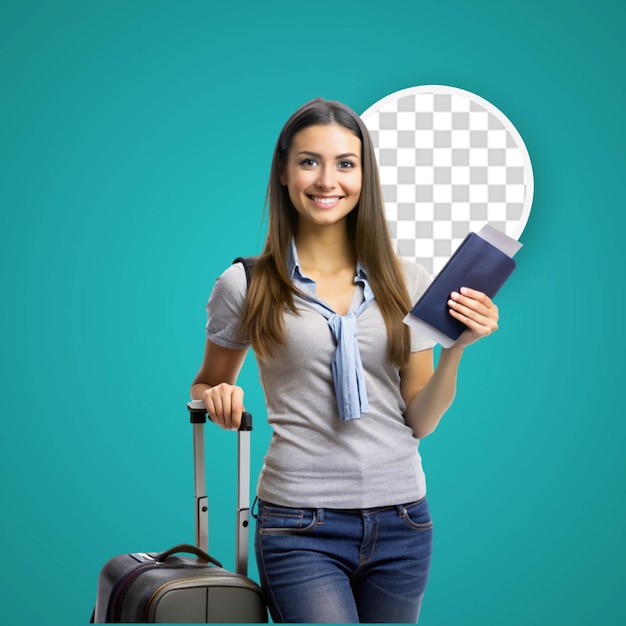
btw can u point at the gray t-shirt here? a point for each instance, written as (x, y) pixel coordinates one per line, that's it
(315, 459)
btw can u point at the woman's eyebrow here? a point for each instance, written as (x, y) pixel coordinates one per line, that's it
(317, 155)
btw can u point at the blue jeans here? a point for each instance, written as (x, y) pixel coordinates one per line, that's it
(344, 566)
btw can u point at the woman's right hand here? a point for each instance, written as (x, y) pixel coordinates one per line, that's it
(224, 404)
(214, 384)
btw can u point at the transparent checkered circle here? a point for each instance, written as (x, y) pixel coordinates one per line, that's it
(450, 162)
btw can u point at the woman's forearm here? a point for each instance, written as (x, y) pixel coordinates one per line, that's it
(428, 407)
(198, 389)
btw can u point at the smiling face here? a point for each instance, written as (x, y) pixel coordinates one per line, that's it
(323, 173)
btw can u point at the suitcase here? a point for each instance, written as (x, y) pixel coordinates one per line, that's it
(167, 587)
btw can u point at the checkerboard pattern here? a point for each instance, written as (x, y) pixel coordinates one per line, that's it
(450, 162)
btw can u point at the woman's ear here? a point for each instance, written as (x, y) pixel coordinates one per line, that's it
(282, 176)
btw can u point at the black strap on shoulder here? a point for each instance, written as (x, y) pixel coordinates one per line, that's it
(248, 265)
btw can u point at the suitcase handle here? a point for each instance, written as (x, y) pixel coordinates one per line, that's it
(198, 418)
(186, 547)
(198, 415)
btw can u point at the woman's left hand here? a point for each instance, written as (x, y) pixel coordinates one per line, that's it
(476, 311)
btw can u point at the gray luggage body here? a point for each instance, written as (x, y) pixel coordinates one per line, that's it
(170, 588)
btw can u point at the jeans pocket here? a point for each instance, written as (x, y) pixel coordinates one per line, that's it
(282, 520)
(417, 515)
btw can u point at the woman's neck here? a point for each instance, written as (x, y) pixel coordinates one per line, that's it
(327, 249)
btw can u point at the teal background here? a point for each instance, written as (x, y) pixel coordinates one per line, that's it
(135, 143)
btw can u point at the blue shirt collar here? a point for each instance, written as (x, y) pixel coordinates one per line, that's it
(348, 375)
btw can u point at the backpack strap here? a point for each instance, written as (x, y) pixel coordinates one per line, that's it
(248, 265)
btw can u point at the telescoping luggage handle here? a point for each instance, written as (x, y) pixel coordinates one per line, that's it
(198, 417)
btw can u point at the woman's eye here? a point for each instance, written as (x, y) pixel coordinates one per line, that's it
(346, 164)
(308, 162)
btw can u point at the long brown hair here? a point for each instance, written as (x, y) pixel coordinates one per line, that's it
(271, 290)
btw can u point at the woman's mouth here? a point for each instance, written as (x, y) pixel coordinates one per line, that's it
(325, 202)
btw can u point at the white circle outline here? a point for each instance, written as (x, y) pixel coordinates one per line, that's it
(506, 122)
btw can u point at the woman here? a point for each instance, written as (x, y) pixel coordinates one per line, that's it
(343, 528)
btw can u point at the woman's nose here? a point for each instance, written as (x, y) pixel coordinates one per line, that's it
(326, 179)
